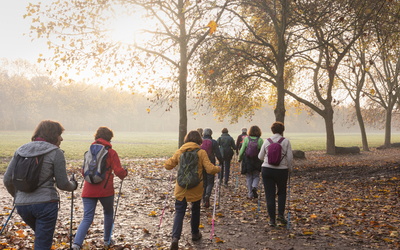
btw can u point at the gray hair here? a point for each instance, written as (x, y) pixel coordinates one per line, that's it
(244, 130)
(207, 131)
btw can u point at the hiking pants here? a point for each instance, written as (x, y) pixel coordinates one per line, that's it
(89, 208)
(275, 179)
(252, 180)
(225, 168)
(180, 209)
(208, 184)
(42, 219)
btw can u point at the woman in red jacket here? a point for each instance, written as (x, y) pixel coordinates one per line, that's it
(101, 191)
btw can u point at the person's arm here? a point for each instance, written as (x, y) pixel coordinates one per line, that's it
(262, 153)
(60, 173)
(7, 179)
(289, 156)
(217, 152)
(243, 148)
(208, 166)
(116, 165)
(233, 143)
(173, 161)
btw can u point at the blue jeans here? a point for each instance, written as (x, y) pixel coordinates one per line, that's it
(89, 207)
(42, 219)
(275, 179)
(252, 180)
(180, 209)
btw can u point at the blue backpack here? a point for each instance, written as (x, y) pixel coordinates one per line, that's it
(95, 164)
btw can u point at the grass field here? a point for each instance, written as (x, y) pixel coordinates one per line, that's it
(158, 144)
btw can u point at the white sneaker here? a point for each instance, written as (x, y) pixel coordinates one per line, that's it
(75, 247)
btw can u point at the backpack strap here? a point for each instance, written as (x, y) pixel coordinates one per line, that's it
(270, 141)
(280, 140)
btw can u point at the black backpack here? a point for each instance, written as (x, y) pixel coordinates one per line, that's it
(188, 173)
(26, 173)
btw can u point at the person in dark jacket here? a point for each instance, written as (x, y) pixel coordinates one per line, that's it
(208, 179)
(251, 166)
(103, 192)
(39, 209)
(239, 140)
(226, 145)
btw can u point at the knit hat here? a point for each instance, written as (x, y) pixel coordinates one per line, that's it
(244, 130)
(207, 131)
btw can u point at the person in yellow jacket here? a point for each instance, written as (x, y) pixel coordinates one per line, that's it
(194, 195)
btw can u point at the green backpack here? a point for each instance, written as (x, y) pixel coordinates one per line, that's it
(188, 173)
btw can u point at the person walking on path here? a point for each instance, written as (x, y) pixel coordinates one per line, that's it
(227, 146)
(39, 209)
(208, 179)
(275, 176)
(251, 165)
(103, 192)
(183, 195)
(239, 140)
(200, 130)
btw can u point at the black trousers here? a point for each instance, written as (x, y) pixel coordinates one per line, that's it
(275, 183)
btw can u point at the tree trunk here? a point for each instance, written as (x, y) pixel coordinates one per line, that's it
(361, 124)
(330, 134)
(388, 125)
(280, 87)
(182, 76)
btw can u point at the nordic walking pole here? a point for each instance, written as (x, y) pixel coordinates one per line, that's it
(259, 197)
(5, 224)
(115, 214)
(215, 200)
(288, 204)
(165, 202)
(72, 214)
(219, 192)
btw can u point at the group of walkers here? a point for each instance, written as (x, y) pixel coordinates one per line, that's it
(38, 205)
(273, 158)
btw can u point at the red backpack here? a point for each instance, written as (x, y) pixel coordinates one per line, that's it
(275, 152)
(207, 146)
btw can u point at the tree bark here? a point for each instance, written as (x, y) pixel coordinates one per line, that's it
(330, 134)
(182, 76)
(361, 123)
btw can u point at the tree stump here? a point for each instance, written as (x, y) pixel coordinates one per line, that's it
(347, 150)
(298, 154)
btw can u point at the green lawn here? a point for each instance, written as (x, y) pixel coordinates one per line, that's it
(158, 144)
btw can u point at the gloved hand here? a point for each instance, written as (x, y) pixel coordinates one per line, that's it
(72, 179)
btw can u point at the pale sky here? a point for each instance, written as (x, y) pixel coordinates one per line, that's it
(13, 44)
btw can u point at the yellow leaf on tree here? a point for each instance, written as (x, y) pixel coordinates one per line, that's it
(372, 91)
(213, 26)
(148, 110)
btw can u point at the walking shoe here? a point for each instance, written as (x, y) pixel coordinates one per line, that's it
(281, 220)
(207, 201)
(107, 246)
(75, 247)
(272, 223)
(196, 237)
(174, 244)
(254, 190)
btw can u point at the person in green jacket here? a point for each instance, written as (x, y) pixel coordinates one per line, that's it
(251, 165)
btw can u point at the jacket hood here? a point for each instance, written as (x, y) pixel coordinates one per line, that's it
(189, 146)
(35, 148)
(103, 142)
(207, 137)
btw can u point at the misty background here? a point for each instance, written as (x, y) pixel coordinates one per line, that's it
(29, 95)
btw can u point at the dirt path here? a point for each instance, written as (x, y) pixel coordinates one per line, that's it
(346, 202)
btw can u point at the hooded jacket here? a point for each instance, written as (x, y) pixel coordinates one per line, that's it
(53, 170)
(196, 193)
(97, 190)
(227, 145)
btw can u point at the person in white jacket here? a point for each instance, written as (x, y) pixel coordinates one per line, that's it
(275, 176)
